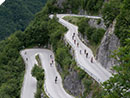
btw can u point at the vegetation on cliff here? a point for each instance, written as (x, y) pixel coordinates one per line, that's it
(119, 85)
(119, 10)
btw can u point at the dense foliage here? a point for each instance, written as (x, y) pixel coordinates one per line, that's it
(110, 11)
(90, 6)
(94, 35)
(38, 73)
(119, 10)
(11, 63)
(75, 6)
(122, 29)
(16, 15)
(119, 85)
(11, 67)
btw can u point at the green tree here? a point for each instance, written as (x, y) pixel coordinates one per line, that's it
(38, 72)
(119, 85)
(122, 28)
(96, 37)
(110, 11)
(93, 6)
(16, 15)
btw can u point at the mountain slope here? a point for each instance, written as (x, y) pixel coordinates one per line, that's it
(16, 15)
(45, 32)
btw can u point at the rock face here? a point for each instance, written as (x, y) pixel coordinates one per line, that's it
(73, 84)
(94, 23)
(59, 3)
(109, 43)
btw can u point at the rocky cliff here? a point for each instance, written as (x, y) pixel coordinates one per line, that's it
(109, 43)
(94, 23)
(60, 3)
(73, 84)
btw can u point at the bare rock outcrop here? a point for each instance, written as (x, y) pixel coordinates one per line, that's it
(94, 23)
(109, 43)
(73, 84)
(60, 3)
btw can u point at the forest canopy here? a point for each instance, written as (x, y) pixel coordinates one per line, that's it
(16, 15)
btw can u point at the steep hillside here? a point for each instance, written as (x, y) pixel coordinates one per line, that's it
(16, 15)
(116, 18)
(43, 32)
(11, 64)
(75, 6)
(40, 32)
(110, 42)
(118, 10)
(118, 32)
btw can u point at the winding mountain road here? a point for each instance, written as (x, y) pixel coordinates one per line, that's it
(52, 89)
(95, 70)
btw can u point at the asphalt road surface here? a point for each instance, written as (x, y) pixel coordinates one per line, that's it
(54, 89)
(86, 62)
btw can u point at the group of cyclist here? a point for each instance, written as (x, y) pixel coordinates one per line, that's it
(85, 52)
(56, 78)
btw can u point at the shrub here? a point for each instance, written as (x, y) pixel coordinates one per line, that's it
(38, 72)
